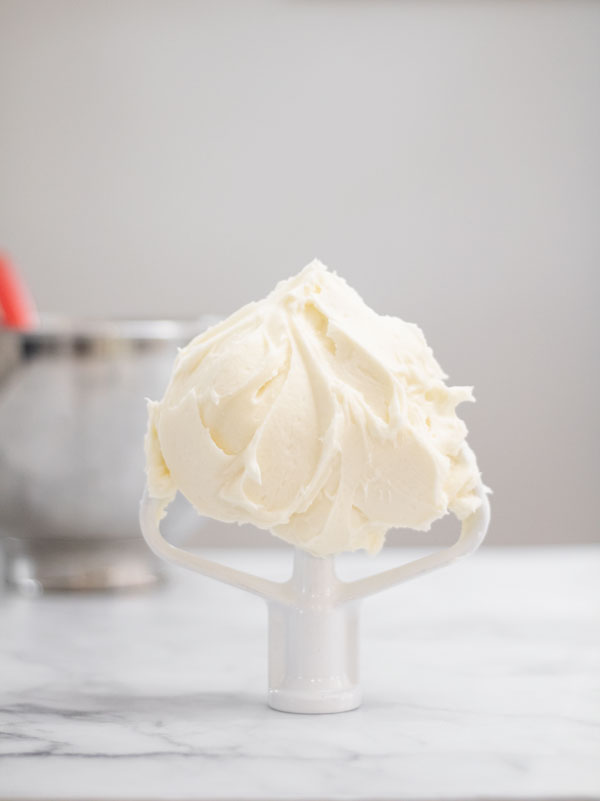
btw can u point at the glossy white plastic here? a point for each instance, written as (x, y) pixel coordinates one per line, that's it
(314, 616)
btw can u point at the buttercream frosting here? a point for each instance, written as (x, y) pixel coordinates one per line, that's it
(310, 415)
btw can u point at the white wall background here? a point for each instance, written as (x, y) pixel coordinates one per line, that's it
(178, 157)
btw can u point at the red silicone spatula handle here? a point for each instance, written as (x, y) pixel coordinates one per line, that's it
(16, 307)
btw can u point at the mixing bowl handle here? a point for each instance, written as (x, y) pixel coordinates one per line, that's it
(150, 509)
(473, 531)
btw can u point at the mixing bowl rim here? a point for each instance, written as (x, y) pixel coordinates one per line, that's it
(66, 328)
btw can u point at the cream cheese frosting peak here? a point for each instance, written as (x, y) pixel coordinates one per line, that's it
(308, 414)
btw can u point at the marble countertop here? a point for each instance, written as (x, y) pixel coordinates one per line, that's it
(480, 682)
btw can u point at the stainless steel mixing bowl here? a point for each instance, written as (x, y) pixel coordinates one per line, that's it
(72, 421)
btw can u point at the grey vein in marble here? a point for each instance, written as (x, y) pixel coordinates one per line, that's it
(480, 682)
